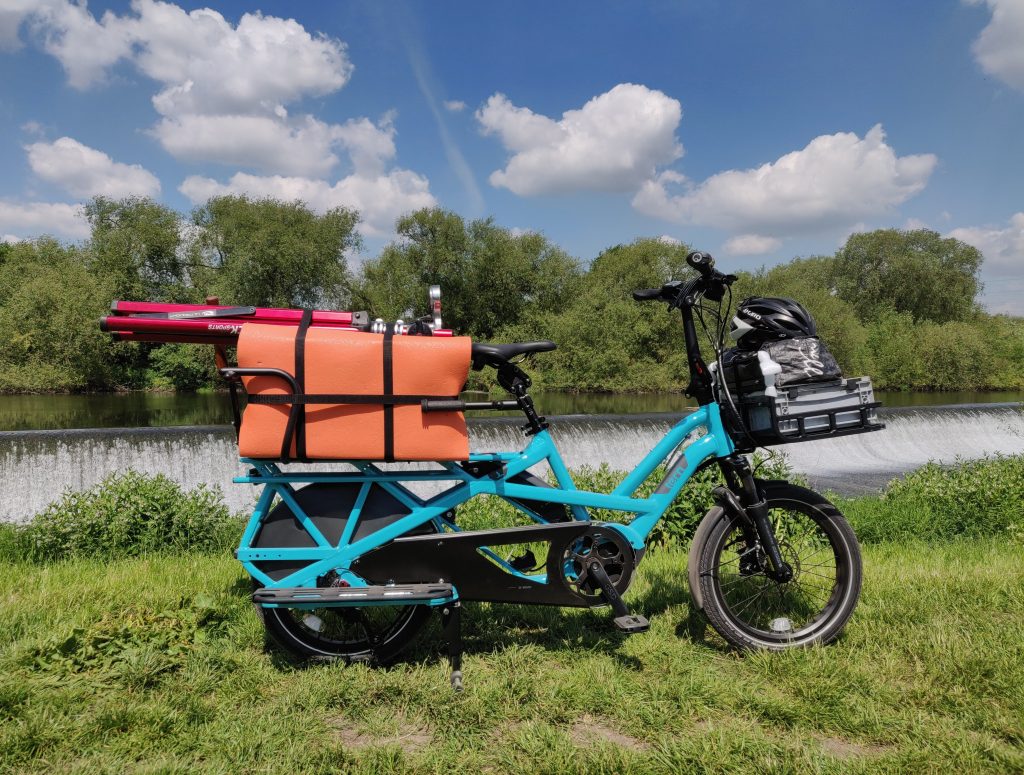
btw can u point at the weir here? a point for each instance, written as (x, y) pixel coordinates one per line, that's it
(37, 466)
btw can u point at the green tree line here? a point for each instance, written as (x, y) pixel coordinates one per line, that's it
(901, 306)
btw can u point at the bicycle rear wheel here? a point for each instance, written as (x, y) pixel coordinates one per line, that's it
(366, 634)
(351, 634)
(749, 608)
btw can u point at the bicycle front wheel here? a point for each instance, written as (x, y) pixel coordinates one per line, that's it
(753, 611)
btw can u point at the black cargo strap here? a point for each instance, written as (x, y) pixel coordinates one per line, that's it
(236, 412)
(389, 392)
(296, 427)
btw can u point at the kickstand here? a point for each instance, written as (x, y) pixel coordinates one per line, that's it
(451, 622)
(624, 620)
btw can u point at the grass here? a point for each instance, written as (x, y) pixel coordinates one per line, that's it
(158, 664)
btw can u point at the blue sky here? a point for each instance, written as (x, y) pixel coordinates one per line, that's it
(758, 131)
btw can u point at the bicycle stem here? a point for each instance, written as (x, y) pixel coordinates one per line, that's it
(700, 385)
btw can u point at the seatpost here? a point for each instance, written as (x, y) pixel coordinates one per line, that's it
(517, 382)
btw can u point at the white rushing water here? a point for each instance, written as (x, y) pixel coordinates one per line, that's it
(37, 466)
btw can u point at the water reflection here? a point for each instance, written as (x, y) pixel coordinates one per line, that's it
(112, 410)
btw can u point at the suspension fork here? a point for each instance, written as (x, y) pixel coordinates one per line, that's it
(742, 499)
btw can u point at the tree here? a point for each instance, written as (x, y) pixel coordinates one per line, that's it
(918, 272)
(490, 277)
(270, 253)
(136, 245)
(608, 341)
(49, 305)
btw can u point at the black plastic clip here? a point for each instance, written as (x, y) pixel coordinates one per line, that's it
(478, 469)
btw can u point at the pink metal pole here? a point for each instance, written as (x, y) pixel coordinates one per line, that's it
(214, 326)
(262, 314)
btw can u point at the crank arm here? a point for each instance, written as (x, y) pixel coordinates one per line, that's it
(624, 620)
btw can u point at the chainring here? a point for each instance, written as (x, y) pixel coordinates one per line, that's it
(570, 562)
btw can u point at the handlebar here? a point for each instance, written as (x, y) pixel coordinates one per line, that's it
(677, 293)
(647, 294)
(684, 295)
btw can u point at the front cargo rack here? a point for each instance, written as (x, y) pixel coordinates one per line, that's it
(807, 412)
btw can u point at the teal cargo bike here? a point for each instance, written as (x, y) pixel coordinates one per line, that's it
(348, 561)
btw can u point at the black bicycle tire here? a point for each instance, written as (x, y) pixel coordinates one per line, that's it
(709, 543)
(287, 634)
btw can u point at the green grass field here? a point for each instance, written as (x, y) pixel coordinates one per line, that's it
(159, 665)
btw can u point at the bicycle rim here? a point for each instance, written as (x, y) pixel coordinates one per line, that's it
(802, 610)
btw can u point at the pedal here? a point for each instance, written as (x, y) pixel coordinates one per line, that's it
(624, 620)
(631, 624)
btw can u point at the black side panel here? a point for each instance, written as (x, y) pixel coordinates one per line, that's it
(453, 558)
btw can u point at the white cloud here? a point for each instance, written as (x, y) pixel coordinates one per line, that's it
(10, 239)
(999, 48)
(86, 47)
(304, 147)
(210, 66)
(206, 64)
(380, 199)
(669, 240)
(369, 145)
(31, 219)
(751, 245)
(835, 180)
(301, 147)
(12, 14)
(1003, 248)
(223, 92)
(913, 224)
(454, 106)
(613, 143)
(86, 172)
(224, 87)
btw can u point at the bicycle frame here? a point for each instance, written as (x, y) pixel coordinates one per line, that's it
(326, 557)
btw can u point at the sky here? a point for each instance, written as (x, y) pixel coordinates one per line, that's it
(756, 131)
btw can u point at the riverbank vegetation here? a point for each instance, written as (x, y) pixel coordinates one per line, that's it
(898, 305)
(131, 514)
(157, 663)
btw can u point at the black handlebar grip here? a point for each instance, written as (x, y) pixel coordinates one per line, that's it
(702, 262)
(646, 294)
(442, 405)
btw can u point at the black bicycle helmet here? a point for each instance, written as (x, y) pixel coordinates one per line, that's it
(761, 319)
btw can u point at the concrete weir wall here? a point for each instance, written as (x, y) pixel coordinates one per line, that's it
(37, 466)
